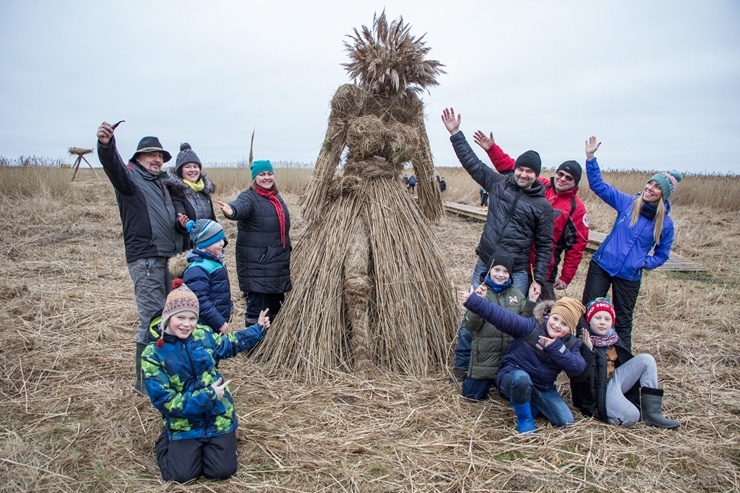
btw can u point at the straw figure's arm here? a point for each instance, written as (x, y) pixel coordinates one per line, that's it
(430, 198)
(330, 154)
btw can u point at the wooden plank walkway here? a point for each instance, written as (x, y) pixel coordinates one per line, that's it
(675, 263)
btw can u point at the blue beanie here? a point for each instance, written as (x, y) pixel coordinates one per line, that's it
(205, 232)
(260, 166)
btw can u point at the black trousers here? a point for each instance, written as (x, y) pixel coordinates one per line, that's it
(184, 460)
(256, 302)
(624, 297)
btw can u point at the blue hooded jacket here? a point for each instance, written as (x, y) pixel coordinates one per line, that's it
(626, 251)
(179, 375)
(208, 278)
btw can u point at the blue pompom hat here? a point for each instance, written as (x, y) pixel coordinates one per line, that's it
(205, 232)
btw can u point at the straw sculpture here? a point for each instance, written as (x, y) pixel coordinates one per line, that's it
(370, 287)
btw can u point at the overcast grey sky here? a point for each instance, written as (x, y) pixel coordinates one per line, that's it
(658, 82)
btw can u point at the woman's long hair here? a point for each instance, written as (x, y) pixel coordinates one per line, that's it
(659, 216)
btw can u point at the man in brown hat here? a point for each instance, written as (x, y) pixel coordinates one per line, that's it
(148, 219)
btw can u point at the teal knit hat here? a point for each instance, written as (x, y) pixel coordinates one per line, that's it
(667, 181)
(260, 166)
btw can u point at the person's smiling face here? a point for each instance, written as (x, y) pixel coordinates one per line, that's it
(499, 273)
(652, 192)
(266, 179)
(190, 172)
(557, 326)
(182, 324)
(151, 161)
(601, 323)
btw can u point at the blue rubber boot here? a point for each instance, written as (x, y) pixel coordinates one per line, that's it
(524, 419)
(535, 411)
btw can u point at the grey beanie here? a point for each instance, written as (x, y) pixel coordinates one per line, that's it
(185, 156)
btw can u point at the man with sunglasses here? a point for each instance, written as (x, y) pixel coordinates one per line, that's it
(570, 230)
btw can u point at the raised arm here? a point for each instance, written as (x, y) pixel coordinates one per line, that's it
(330, 154)
(500, 160)
(503, 319)
(613, 197)
(113, 165)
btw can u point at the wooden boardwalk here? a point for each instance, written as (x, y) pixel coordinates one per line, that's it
(675, 263)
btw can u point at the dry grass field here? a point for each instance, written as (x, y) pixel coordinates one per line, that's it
(70, 423)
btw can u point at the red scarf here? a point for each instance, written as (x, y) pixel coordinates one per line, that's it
(271, 195)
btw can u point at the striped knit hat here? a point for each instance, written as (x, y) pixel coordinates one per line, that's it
(667, 181)
(205, 232)
(602, 304)
(180, 299)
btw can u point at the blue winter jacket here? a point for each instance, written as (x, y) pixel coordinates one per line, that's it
(626, 251)
(543, 364)
(207, 277)
(179, 376)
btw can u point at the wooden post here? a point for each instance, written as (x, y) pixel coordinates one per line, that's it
(80, 153)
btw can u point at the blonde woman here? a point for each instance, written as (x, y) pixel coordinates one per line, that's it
(641, 238)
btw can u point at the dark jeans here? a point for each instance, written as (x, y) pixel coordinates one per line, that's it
(624, 297)
(256, 302)
(518, 388)
(184, 460)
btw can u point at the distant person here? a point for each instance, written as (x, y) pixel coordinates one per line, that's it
(483, 197)
(616, 387)
(412, 183)
(543, 346)
(640, 239)
(204, 271)
(184, 384)
(442, 185)
(519, 216)
(263, 242)
(191, 191)
(489, 343)
(148, 219)
(570, 229)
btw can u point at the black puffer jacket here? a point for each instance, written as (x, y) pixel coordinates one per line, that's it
(262, 264)
(589, 388)
(195, 205)
(147, 213)
(517, 219)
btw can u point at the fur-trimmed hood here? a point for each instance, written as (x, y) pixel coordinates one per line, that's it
(178, 264)
(542, 310)
(179, 187)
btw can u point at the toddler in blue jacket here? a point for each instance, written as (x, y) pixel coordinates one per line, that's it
(204, 271)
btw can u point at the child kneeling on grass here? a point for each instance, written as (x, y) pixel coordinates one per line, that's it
(183, 383)
(617, 387)
(489, 343)
(542, 348)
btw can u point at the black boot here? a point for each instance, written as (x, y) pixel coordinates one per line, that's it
(651, 402)
(138, 386)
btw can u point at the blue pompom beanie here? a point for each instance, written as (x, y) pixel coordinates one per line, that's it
(205, 232)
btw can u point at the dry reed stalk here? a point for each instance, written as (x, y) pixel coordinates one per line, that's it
(411, 305)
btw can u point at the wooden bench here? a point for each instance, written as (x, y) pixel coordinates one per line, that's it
(675, 263)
